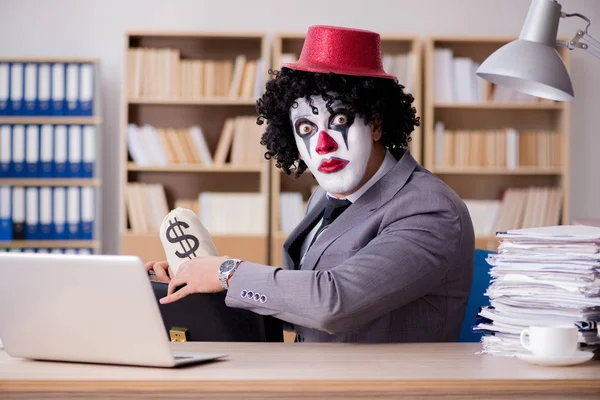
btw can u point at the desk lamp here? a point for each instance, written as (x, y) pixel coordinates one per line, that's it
(531, 63)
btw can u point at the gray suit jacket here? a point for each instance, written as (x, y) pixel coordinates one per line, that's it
(396, 266)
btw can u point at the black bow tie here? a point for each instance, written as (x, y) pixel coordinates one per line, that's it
(333, 209)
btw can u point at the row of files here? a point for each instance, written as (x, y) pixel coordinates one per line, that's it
(47, 89)
(47, 213)
(47, 151)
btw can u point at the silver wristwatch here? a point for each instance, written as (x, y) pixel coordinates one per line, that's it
(226, 269)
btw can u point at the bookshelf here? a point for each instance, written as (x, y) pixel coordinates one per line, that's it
(402, 57)
(497, 149)
(198, 86)
(50, 132)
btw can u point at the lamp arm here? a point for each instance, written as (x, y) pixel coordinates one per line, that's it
(582, 40)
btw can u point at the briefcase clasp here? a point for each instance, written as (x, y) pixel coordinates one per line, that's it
(178, 334)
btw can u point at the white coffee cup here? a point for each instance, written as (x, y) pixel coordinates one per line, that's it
(550, 341)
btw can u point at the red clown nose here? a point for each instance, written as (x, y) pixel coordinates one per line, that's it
(325, 144)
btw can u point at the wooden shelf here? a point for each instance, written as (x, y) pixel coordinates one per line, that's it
(280, 235)
(214, 101)
(58, 120)
(486, 243)
(50, 182)
(208, 109)
(148, 246)
(197, 34)
(497, 171)
(213, 236)
(49, 60)
(51, 244)
(500, 106)
(194, 168)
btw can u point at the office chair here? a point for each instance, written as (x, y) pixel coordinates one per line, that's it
(477, 299)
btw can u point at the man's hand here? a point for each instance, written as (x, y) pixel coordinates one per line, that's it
(161, 269)
(199, 275)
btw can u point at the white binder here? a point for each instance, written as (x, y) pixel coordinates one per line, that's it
(32, 154)
(87, 212)
(30, 94)
(60, 151)
(4, 87)
(86, 89)
(72, 92)
(5, 150)
(31, 213)
(89, 151)
(18, 150)
(73, 212)
(58, 88)
(45, 213)
(16, 88)
(59, 218)
(75, 149)
(5, 213)
(18, 212)
(44, 94)
(46, 150)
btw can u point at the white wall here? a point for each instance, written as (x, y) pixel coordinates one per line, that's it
(95, 28)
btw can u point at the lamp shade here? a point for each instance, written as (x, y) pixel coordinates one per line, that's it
(529, 67)
(531, 64)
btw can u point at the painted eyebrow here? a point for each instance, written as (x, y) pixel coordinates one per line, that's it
(297, 117)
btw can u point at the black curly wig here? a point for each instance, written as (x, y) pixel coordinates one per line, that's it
(374, 99)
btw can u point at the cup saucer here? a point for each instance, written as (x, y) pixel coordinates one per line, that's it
(557, 361)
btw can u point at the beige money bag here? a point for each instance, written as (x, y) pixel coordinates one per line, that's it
(184, 237)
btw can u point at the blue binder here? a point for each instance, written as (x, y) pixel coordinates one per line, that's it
(74, 212)
(32, 154)
(61, 150)
(5, 151)
(4, 88)
(17, 86)
(45, 220)
(5, 213)
(74, 163)
(87, 213)
(46, 151)
(44, 104)
(18, 213)
(30, 86)
(86, 90)
(59, 213)
(58, 88)
(72, 89)
(18, 152)
(89, 151)
(32, 213)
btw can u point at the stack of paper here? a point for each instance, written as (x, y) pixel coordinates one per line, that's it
(546, 276)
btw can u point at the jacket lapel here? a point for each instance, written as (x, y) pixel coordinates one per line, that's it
(378, 195)
(291, 246)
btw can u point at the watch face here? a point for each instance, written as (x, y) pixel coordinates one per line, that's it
(226, 266)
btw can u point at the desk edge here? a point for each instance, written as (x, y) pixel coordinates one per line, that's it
(307, 386)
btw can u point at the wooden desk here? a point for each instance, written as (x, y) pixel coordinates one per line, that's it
(304, 370)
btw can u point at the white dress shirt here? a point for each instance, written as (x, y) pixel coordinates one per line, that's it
(388, 163)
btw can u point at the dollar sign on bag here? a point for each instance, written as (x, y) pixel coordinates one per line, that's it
(178, 236)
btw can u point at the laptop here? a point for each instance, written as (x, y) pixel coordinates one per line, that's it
(84, 308)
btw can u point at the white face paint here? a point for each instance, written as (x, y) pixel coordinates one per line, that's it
(335, 147)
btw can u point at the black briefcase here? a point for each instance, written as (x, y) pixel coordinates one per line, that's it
(205, 317)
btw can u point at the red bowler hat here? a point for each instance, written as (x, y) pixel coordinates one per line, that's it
(340, 50)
